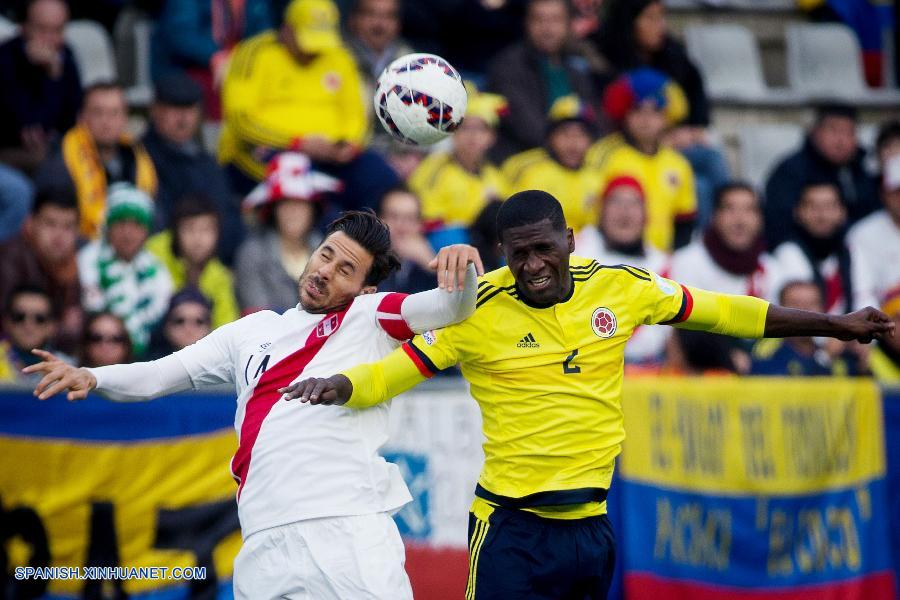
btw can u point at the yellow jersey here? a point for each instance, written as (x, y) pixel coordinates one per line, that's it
(666, 177)
(576, 189)
(451, 194)
(269, 100)
(548, 380)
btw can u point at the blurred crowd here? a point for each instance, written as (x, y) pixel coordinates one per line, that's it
(118, 247)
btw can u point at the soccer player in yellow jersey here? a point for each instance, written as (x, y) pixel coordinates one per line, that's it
(543, 353)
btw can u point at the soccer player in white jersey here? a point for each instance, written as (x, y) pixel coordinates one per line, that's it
(314, 496)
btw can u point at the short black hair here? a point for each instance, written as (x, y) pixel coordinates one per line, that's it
(366, 229)
(731, 186)
(527, 208)
(886, 133)
(836, 109)
(192, 204)
(60, 197)
(28, 289)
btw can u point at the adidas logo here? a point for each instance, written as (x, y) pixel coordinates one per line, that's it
(528, 342)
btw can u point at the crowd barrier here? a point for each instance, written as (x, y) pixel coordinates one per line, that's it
(750, 488)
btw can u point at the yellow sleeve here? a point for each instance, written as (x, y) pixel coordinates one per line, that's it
(407, 366)
(353, 111)
(738, 316)
(240, 94)
(686, 200)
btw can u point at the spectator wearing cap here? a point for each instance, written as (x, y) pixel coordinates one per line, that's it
(188, 249)
(535, 73)
(830, 153)
(618, 238)
(43, 254)
(188, 319)
(119, 275)
(287, 205)
(884, 358)
(456, 185)
(817, 250)
(875, 241)
(298, 88)
(730, 257)
(29, 321)
(42, 89)
(196, 37)
(182, 165)
(97, 153)
(644, 103)
(560, 167)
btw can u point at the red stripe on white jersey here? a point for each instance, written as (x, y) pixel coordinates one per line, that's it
(390, 319)
(265, 393)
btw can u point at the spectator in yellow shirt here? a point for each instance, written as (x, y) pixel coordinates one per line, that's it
(455, 186)
(560, 168)
(644, 103)
(298, 87)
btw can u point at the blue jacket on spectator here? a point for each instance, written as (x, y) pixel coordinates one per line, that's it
(859, 189)
(184, 36)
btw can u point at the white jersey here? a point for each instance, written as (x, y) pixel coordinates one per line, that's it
(648, 342)
(693, 265)
(295, 461)
(875, 245)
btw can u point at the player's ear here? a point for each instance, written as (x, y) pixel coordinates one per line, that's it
(570, 239)
(369, 289)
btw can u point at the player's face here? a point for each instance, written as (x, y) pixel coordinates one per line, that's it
(335, 274)
(538, 256)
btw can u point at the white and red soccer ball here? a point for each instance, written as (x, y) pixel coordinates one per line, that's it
(420, 99)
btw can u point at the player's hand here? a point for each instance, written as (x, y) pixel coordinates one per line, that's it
(59, 376)
(864, 326)
(451, 263)
(336, 389)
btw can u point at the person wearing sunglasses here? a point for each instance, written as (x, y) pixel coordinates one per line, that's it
(188, 319)
(105, 341)
(29, 322)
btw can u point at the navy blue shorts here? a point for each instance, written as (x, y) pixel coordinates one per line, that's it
(517, 555)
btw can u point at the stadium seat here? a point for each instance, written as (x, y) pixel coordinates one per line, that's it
(132, 37)
(729, 59)
(823, 60)
(763, 146)
(8, 29)
(93, 51)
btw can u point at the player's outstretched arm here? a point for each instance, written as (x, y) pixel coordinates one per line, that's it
(362, 386)
(59, 376)
(863, 325)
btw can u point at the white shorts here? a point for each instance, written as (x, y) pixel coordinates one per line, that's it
(340, 558)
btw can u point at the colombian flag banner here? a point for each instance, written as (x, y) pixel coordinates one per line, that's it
(92, 485)
(754, 488)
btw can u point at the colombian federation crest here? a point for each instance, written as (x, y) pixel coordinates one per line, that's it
(603, 322)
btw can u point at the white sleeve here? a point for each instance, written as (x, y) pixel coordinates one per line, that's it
(207, 362)
(438, 308)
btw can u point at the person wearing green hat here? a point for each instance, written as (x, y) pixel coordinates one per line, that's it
(118, 274)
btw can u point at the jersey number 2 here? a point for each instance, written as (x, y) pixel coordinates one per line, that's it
(568, 367)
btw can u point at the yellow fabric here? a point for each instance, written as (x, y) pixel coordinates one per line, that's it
(738, 316)
(577, 190)
(87, 172)
(551, 408)
(216, 282)
(8, 371)
(883, 368)
(666, 177)
(269, 100)
(315, 24)
(452, 194)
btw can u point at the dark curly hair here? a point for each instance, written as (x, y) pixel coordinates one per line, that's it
(370, 232)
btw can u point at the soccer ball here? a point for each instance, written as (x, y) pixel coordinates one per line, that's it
(420, 99)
